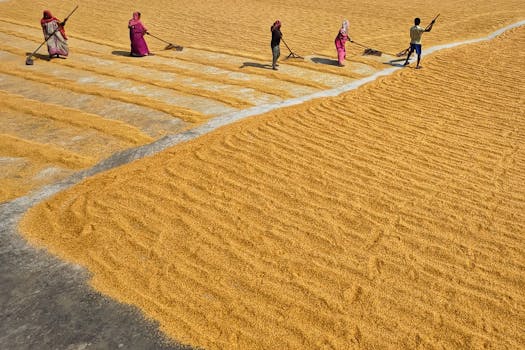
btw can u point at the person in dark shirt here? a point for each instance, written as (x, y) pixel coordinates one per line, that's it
(276, 40)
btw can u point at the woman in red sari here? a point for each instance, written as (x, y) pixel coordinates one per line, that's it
(136, 36)
(55, 35)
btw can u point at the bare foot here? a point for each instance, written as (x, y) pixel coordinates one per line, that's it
(406, 63)
(274, 68)
(419, 67)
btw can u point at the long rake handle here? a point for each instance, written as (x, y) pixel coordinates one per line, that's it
(50, 36)
(292, 54)
(45, 41)
(433, 21)
(65, 19)
(156, 37)
(288, 47)
(368, 47)
(359, 44)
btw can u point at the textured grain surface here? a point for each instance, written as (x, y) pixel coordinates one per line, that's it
(223, 69)
(389, 217)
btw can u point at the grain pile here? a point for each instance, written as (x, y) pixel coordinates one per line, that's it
(243, 27)
(100, 101)
(392, 216)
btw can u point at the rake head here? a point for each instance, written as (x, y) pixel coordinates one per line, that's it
(294, 55)
(29, 61)
(372, 52)
(173, 47)
(402, 53)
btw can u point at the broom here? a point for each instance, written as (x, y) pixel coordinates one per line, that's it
(170, 46)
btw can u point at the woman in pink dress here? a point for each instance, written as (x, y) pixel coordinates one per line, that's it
(340, 41)
(55, 35)
(137, 31)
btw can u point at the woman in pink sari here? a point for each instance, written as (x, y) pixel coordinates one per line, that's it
(55, 35)
(340, 41)
(137, 30)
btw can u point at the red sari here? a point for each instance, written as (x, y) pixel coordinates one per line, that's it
(55, 33)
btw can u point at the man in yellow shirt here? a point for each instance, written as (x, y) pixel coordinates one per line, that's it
(416, 32)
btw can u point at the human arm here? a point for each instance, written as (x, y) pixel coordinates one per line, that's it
(429, 27)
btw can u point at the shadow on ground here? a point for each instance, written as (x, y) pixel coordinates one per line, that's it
(40, 56)
(396, 63)
(43, 57)
(256, 65)
(327, 61)
(121, 53)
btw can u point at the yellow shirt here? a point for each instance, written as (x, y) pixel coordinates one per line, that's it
(415, 34)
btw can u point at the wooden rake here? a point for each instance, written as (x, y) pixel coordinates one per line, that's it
(292, 54)
(170, 46)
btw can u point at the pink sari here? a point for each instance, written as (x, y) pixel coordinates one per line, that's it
(340, 41)
(136, 36)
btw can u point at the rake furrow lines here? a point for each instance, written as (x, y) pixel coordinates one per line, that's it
(390, 216)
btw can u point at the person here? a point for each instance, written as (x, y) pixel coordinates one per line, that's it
(416, 32)
(139, 48)
(276, 41)
(55, 35)
(340, 41)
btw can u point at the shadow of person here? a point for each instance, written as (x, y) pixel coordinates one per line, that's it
(256, 65)
(327, 61)
(40, 56)
(121, 53)
(396, 63)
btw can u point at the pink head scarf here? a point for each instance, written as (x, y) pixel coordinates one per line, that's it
(135, 20)
(275, 25)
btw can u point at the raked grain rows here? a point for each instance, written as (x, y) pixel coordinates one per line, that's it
(392, 216)
(99, 100)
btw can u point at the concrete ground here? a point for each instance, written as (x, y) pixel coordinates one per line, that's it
(46, 303)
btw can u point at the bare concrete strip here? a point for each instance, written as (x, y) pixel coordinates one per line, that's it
(47, 304)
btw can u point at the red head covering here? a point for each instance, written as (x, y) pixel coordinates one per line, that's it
(48, 17)
(275, 25)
